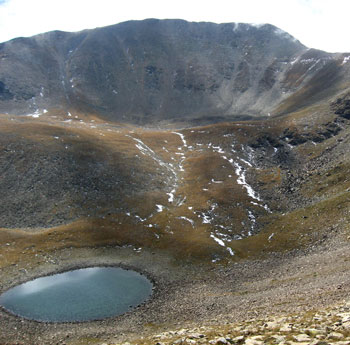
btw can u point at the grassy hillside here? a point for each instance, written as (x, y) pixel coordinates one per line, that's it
(235, 213)
(220, 191)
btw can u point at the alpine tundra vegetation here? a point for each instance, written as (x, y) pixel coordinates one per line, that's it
(212, 158)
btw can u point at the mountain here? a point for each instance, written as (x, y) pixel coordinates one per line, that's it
(73, 146)
(212, 157)
(166, 70)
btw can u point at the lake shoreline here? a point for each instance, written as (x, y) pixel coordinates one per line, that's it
(188, 295)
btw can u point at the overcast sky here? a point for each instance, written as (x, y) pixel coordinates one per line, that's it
(322, 24)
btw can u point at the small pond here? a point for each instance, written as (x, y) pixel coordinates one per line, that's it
(79, 295)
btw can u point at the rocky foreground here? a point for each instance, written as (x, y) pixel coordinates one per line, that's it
(329, 326)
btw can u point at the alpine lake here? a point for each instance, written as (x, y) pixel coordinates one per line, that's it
(85, 294)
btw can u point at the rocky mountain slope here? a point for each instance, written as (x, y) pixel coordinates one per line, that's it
(116, 149)
(152, 70)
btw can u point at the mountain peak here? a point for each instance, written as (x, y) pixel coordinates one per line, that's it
(151, 70)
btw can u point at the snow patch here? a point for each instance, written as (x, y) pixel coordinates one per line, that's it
(246, 162)
(242, 181)
(181, 202)
(182, 138)
(346, 59)
(160, 208)
(206, 219)
(258, 25)
(140, 219)
(147, 151)
(218, 149)
(188, 220)
(232, 253)
(284, 34)
(171, 196)
(35, 115)
(253, 222)
(294, 61)
(220, 242)
(236, 27)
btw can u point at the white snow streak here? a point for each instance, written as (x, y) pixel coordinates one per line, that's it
(147, 151)
(171, 196)
(232, 253)
(213, 181)
(221, 242)
(346, 59)
(35, 115)
(242, 181)
(252, 219)
(218, 149)
(160, 208)
(182, 138)
(188, 220)
(246, 162)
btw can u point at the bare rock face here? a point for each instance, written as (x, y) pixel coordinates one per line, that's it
(341, 106)
(151, 70)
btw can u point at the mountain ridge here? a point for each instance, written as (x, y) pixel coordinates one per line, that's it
(148, 71)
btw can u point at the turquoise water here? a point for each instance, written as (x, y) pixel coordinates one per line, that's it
(79, 295)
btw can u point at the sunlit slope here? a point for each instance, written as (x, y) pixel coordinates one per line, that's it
(217, 192)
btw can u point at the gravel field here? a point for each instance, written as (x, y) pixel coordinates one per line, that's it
(191, 295)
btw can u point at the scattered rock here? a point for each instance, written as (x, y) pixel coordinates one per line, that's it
(300, 338)
(335, 336)
(195, 335)
(271, 325)
(279, 338)
(238, 340)
(345, 317)
(219, 341)
(286, 327)
(251, 341)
